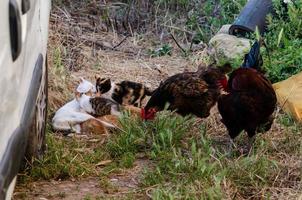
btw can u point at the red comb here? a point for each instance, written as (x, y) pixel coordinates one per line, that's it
(224, 83)
(149, 114)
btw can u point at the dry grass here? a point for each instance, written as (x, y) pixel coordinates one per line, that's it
(79, 46)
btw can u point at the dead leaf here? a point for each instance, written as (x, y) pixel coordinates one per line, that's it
(103, 163)
(94, 140)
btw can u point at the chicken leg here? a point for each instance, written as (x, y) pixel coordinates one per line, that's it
(251, 144)
(231, 146)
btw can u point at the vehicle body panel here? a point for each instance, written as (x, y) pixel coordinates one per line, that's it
(15, 77)
(19, 83)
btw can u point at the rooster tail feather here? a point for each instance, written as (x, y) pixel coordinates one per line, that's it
(253, 59)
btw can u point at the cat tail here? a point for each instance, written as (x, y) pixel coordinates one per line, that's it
(109, 125)
(106, 124)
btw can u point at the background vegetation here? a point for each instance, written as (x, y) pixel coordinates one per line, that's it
(284, 38)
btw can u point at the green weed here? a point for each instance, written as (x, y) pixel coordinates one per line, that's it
(65, 158)
(284, 40)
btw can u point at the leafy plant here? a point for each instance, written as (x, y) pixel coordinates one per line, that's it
(284, 39)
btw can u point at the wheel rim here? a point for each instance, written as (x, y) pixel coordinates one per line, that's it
(40, 118)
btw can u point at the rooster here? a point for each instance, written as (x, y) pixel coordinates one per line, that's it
(188, 93)
(251, 99)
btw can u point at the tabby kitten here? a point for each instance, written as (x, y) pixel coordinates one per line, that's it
(99, 106)
(103, 106)
(125, 92)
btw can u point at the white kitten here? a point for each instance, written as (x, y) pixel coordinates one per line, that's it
(85, 86)
(85, 105)
(71, 115)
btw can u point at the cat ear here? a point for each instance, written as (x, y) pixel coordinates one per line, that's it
(120, 88)
(117, 87)
(80, 80)
(97, 77)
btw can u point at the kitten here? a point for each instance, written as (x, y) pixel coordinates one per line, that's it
(124, 93)
(71, 115)
(99, 106)
(85, 87)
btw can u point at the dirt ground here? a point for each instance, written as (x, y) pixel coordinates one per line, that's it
(122, 185)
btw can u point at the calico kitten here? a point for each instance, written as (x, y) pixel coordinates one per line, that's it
(125, 92)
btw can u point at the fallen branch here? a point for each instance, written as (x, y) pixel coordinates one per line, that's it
(123, 40)
(183, 50)
(106, 47)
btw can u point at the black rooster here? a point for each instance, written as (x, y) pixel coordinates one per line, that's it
(251, 99)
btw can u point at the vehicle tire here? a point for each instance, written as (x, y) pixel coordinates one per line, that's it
(36, 139)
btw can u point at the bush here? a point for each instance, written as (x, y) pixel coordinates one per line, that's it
(284, 39)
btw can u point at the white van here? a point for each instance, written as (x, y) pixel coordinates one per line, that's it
(23, 85)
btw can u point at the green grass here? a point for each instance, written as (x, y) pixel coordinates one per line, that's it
(185, 160)
(127, 160)
(65, 158)
(206, 18)
(284, 40)
(198, 168)
(161, 135)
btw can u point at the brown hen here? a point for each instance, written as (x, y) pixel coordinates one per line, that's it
(188, 93)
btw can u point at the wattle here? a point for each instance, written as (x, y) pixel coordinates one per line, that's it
(224, 83)
(143, 113)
